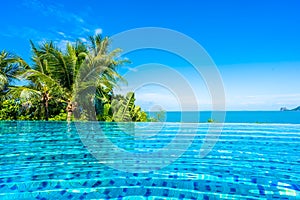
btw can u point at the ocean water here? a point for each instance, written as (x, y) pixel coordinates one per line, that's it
(91, 160)
(287, 117)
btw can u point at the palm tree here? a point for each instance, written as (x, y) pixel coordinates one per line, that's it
(71, 75)
(64, 68)
(10, 65)
(41, 87)
(97, 75)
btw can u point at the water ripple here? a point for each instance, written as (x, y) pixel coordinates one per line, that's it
(250, 161)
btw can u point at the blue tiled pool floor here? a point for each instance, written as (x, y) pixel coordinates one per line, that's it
(48, 160)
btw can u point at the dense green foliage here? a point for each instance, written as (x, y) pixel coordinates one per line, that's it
(124, 109)
(75, 83)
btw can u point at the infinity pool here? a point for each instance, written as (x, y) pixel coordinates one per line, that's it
(51, 160)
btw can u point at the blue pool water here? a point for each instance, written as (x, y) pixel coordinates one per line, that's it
(49, 160)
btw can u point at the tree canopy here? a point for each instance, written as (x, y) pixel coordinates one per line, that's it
(74, 83)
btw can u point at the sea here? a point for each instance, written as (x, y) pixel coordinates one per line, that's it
(278, 117)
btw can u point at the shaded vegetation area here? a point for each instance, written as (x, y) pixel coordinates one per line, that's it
(72, 84)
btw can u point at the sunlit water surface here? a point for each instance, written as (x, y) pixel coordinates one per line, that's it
(48, 160)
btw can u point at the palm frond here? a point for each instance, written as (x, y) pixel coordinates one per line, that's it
(24, 93)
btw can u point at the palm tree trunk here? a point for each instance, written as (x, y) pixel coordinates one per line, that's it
(69, 116)
(70, 109)
(46, 105)
(46, 111)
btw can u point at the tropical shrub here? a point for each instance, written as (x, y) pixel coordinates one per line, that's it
(9, 110)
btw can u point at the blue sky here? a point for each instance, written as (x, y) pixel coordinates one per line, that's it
(254, 44)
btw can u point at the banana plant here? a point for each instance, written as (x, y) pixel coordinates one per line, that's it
(123, 107)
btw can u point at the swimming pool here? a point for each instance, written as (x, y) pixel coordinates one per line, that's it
(48, 160)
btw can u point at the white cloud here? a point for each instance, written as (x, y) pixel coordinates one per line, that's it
(133, 69)
(77, 18)
(62, 44)
(61, 33)
(148, 101)
(263, 102)
(60, 15)
(86, 30)
(261, 86)
(83, 39)
(98, 31)
(53, 9)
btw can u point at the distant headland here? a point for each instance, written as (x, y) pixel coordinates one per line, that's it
(285, 109)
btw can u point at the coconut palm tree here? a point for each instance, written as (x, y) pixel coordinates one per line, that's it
(10, 65)
(97, 75)
(72, 76)
(41, 87)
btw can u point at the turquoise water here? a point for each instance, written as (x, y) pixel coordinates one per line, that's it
(48, 160)
(291, 117)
